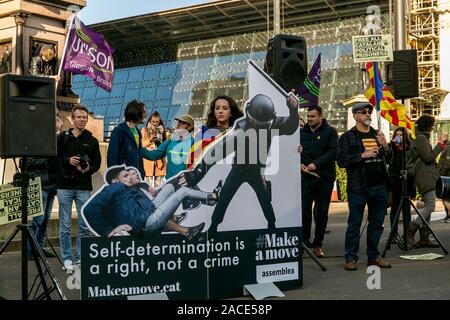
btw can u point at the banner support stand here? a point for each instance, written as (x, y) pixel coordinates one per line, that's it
(260, 291)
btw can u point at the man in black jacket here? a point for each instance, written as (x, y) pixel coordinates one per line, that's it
(78, 159)
(364, 152)
(319, 144)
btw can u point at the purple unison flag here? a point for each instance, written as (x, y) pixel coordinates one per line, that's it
(88, 53)
(308, 92)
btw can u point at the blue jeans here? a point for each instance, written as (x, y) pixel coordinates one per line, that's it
(65, 199)
(40, 223)
(376, 200)
(167, 202)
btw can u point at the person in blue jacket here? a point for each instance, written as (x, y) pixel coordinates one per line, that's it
(125, 145)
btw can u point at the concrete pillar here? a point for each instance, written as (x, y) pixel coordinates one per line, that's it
(399, 25)
(20, 18)
(276, 17)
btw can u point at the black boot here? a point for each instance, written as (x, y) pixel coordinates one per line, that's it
(194, 232)
(213, 197)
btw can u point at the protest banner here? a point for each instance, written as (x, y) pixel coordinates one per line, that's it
(11, 201)
(87, 52)
(248, 209)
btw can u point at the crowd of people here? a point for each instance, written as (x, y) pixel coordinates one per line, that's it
(372, 163)
(374, 175)
(153, 150)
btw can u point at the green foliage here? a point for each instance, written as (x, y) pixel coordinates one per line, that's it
(341, 181)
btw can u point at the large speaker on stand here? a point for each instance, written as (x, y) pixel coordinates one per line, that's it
(28, 128)
(402, 74)
(286, 61)
(27, 116)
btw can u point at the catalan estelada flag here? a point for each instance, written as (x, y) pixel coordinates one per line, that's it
(201, 140)
(383, 100)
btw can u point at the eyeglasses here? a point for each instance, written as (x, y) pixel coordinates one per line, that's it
(364, 112)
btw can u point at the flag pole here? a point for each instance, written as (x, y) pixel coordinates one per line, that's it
(72, 18)
(377, 96)
(379, 120)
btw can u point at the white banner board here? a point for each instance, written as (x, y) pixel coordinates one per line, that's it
(372, 48)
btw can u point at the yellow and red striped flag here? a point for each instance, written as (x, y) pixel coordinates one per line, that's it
(383, 100)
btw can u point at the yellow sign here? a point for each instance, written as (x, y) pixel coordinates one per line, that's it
(11, 201)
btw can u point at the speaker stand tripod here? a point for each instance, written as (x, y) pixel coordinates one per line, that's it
(47, 240)
(54, 251)
(404, 206)
(22, 180)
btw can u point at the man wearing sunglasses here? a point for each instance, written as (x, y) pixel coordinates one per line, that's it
(364, 153)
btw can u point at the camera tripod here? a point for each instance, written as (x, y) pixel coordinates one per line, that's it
(405, 208)
(22, 179)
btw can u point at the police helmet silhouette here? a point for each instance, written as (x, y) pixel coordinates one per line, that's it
(261, 109)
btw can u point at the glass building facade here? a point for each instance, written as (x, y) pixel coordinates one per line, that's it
(206, 68)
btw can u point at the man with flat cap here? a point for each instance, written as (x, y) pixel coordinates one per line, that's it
(364, 153)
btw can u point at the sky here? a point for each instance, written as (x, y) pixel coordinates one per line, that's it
(105, 10)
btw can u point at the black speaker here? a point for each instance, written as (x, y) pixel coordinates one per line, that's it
(286, 61)
(27, 116)
(403, 78)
